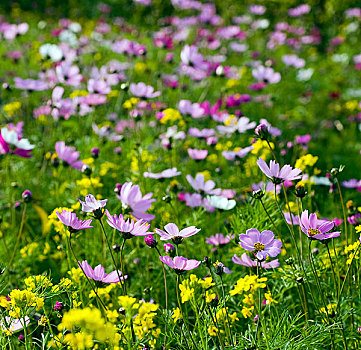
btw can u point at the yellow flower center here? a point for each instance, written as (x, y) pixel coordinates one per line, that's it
(259, 246)
(313, 231)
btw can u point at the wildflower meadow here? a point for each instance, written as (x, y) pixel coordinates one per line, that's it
(180, 174)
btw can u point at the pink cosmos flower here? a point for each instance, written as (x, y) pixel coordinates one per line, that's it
(128, 228)
(68, 155)
(197, 154)
(219, 240)
(30, 84)
(266, 74)
(198, 184)
(70, 220)
(11, 142)
(312, 227)
(275, 174)
(98, 274)
(172, 232)
(142, 90)
(263, 244)
(245, 260)
(133, 200)
(180, 264)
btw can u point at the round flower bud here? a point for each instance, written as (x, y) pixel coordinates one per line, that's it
(58, 306)
(258, 194)
(169, 249)
(95, 152)
(300, 191)
(150, 241)
(299, 280)
(116, 248)
(207, 261)
(27, 195)
(86, 170)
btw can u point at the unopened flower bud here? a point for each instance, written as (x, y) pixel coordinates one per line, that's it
(150, 241)
(300, 191)
(299, 280)
(289, 261)
(258, 194)
(116, 248)
(27, 195)
(124, 86)
(207, 261)
(169, 249)
(262, 131)
(86, 170)
(95, 152)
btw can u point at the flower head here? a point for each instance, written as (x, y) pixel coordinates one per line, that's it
(245, 260)
(11, 142)
(68, 155)
(172, 232)
(262, 244)
(180, 264)
(128, 228)
(98, 274)
(70, 220)
(315, 229)
(91, 205)
(132, 199)
(275, 174)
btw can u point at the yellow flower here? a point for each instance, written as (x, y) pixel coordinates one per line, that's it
(186, 292)
(210, 297)
(140, 67)
(269, 299)
(170, 114)
(247, 311)
(305, 161)
(248, 283)
(212, 330)
(12, 107)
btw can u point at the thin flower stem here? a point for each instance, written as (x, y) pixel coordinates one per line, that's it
(166, 296)
(18, 237)
(313, 268)
(77, 262)
(229, 333)
(215, 325)
(271, 149)
(121, 281)
(269, 216)
(333, 270)
(122, 265)
(343, 209)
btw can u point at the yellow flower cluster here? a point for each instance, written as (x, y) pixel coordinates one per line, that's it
(189, 288)
(350, 251)
(88, 184)
(92, 328)
(305, 161)
(248, 286)
(145, 161)
(129, 104)
(22, 301)
(29, 249)
(170, 115)
(36, 282)
(105, 167)
(11, 108)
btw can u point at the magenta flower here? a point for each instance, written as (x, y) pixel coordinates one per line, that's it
(180, 264)
(263, 244)
(70, 220)
(172, 232)
(128, 228)
(245, 260)
(275, 174)
(197, 154)
(11, 142)
(68, 155)
(133, 200)
(312, 227)
(98, 274)
(142, 90)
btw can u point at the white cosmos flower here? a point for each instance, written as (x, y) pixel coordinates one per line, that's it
(11, 137)
(221, 202)
(51, 51)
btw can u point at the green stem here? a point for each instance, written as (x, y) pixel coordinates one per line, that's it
(343, 209)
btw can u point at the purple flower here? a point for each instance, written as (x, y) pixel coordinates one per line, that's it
(142, 90)
(91, 205)
(312, 227)
(11, 142)
(299, 10)
(197, 154)
(353, 183)
(68, 155)
(190, 57)
(293, 60)
(129, 227)
(198, 184)
(263, 244)
(58, 306)
(266, 74)
(172, 232)
(257, 9)
(70, 220)
(231, 155)
(150, 241)
(98, 274)
(164, 174)
(30, 84)
(275, 174)
(169, 248)
(295, 218)
(204, 133)
(218, 239)
(245, 260)
(193, 200)
(180, 264)
(132, 199)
